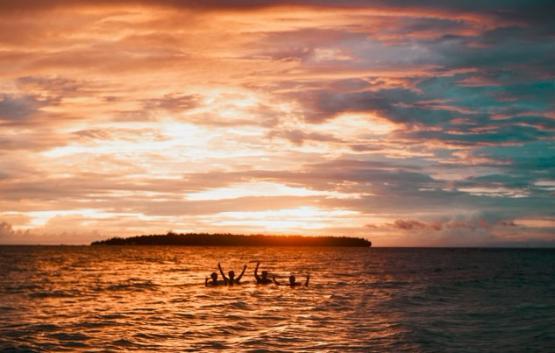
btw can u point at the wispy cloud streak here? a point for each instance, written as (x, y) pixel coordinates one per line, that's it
(408, 122)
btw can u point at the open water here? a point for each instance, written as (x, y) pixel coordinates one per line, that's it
(153, 299)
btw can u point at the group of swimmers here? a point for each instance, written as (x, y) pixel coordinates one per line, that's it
(263, 278)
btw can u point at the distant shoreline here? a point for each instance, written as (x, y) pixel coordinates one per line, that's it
(205, 239)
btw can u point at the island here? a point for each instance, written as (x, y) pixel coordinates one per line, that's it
(206, 239)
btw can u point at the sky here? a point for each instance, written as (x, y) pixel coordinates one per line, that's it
(410, 123)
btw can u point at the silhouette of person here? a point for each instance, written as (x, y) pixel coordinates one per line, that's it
(293, 281)
(231, 280)
(214, 282)
(263, 279)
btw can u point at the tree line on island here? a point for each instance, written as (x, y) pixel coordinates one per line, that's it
(206, 239)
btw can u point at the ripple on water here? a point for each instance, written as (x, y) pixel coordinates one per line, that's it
(132, 285)
(111, 316)
(18, 349)
(44, 327)
(122, 342)
(64, 336)
(55, 294)
(378, 300)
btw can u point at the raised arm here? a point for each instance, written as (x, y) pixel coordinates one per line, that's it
(307, 280)
(242, 273)
(256, 271)
(222, 272)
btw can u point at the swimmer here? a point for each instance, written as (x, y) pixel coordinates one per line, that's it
(231, 280)
(214, 282)
(263, 279)
(293, 281)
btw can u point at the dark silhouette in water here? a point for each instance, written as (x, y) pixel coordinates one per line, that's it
(200, 239)
(214, 282)
(231, 280)
(293, 281)
(263, 279)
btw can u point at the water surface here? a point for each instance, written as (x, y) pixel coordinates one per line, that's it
(146, 299)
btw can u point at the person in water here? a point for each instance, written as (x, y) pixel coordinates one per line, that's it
(214, 281)
(231, 280)
(293, 281)
(263, 279)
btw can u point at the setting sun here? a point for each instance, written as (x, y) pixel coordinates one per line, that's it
(126, 117)
(291, 176)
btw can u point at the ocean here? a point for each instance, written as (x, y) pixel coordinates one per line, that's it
(153, 299)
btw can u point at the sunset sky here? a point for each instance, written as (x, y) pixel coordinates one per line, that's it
(426, 122)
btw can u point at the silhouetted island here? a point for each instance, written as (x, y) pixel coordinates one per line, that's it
(205, 239)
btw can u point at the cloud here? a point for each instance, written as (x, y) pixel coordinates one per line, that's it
(523, 10)
(432, 121)
(16, 108)
(172, 102)
(412, 224)
(10, 236)
(299, 137)
(471, 224)
(68, 236)
(53, 85)
(6, 230)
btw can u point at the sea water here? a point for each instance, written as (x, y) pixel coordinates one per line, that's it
(153, 299)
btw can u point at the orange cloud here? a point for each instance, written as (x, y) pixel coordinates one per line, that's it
(250, 116)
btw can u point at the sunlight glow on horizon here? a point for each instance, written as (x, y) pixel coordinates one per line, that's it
(412, 123)
(262, 189)
(292, 220)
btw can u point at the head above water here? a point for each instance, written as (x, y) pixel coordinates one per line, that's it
(214, 276)
(292, 279)
(231, 274)
(264, 274)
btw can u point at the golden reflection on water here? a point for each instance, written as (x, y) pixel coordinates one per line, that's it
(145, 299)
